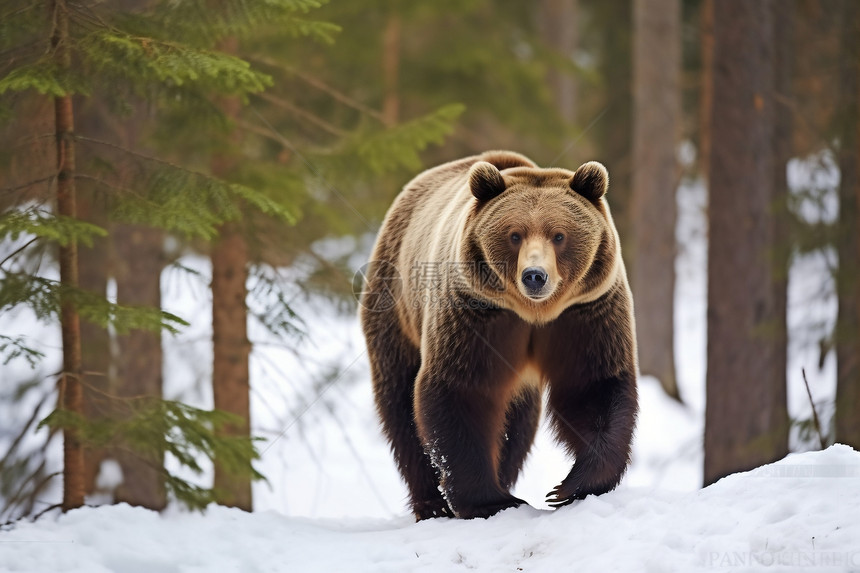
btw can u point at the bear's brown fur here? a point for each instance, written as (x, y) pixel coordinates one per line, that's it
(492, 280)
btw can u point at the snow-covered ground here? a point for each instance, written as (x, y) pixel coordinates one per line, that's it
(334, 500)
(799, 514)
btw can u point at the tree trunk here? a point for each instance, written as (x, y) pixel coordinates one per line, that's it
(230, 374)
(614, 130)
(95, 340)
(139, 262)
(391, 69)
(71, 398)
(231, 348)
(558, 23)
(656, 111)
(848, 283)
(706, 92)
(746, 415)
(780, 251)
(92, 119)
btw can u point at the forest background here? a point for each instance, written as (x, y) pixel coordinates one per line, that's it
(159, 156)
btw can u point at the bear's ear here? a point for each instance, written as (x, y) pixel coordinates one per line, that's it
(485, 181)
(591, 180)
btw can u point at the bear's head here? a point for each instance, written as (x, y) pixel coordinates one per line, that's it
(546, 235)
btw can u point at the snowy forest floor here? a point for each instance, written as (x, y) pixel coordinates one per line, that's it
(799, 514)
(335, 502)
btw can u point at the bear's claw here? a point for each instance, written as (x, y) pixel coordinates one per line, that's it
(559, 497)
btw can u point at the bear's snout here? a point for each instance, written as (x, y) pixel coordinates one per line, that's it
(534, 279)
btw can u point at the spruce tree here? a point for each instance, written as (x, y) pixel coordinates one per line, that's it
(67, 52)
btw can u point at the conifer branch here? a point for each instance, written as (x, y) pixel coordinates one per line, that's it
(18, 251)
(28, 184)
(95, 16)
(310, 166)
(18, 12)
(144, 156)
(21, 492)
(320, 85)
(261, 131)
(304, 114)
(59, 228)
(39, 486)
(24, 431)
(815, 420)
(45, 296)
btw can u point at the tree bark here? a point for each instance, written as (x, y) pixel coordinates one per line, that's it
(230, 374)
(71, 397)
(613, 132)
(139, 261)
(848, 278)
(558, 23)
(231, 348)
(707, 88)
(746, 421)
(656, 119)
(95, 340)
(93, 119)
(780, 250)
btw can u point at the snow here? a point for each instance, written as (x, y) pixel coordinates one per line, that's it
(795, 515)
(334, 500)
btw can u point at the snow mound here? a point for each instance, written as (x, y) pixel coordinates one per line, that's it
(798, 514)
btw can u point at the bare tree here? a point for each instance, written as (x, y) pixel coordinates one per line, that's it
(746, 422)
(656, 121)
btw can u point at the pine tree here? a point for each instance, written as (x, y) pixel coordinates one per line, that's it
(231, 348)
(71, 393)
(124, 56)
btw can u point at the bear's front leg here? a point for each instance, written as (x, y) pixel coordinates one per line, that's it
(466, 381)
(589, 357)
(460, 429)
(596, 424)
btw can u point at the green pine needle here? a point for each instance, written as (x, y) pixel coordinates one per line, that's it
(153, 61)
(152, 428)
(45, 297)
(46, 77)
(398, 147)
(12, 348)
(45, 225)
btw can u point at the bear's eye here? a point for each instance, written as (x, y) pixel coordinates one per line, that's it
(559, 237)
(516, 238)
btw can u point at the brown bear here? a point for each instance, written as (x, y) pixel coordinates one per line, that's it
(493, 279)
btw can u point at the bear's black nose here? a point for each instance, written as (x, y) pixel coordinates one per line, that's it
(533, 279)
